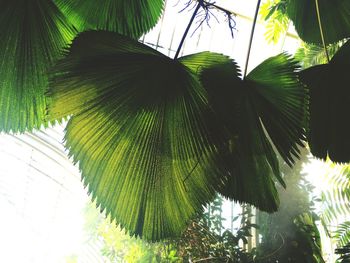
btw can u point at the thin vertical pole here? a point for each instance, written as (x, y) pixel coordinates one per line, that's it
(321, 30)
(188, 29)
(251, 38)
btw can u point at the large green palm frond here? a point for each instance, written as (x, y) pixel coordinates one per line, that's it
(132, 17)
(33, 32)
(329, 110)
(271, 94)
(281, 102)
(334, 15)
(221, 77)
(251, 164)
(138, 131)
(243, 160)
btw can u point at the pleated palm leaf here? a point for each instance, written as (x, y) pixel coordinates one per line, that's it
(270, 98)
(244, 153)
(149, 138)
(334, 16)
(138, 128)
(33, 32)
(329, 100)
(132, 18)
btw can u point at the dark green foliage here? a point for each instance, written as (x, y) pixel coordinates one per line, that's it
(270, 97)
(329, 100)
(344, 253)
(335, 19)
(243, 155)
(33, 33)
(281, 102)
(131, 18)
(200, 242)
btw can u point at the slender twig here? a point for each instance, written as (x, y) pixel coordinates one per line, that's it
(187, 5)
(205, 17)
(219, 8)
(200, 3)
(251, 38)
(231, 23)
(321, 30)
(189, 174)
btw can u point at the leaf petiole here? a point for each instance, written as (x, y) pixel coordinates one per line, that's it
(200, 3)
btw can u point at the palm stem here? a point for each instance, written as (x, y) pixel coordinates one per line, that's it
(251, 38)
(188, 28)
(321, 30)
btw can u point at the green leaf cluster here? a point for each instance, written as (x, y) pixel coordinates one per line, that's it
(276, 21)
(201, 242)
(309, 19)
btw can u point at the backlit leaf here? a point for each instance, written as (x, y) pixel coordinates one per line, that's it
(33, 32)
(138, 131)
(131, 17)
(281, 101)
(335, 19)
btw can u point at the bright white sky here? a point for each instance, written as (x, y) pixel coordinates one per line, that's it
(42, 197)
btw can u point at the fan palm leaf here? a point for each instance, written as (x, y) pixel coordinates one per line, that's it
(240, 158)
(334, 15)
(132, 18)
(329, 100)
(271, 94)
(138, 131)
(33, 33)
(281, 102)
